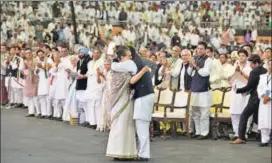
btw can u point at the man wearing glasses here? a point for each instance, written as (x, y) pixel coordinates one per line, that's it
(172, 67)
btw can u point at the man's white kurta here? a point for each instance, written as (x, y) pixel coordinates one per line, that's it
(94, 89)
(62, 80)
(227, 71)
(202, 99)
(264, 120)
(239, 101)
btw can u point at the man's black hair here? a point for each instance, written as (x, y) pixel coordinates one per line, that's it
(255, 59)
(243, 51)
(251, 48)
(47, 47)
(203, 43)
(121, 51)
(210, 48)
(39, 51)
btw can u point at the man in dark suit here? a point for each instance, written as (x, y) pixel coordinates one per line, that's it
(253, 102)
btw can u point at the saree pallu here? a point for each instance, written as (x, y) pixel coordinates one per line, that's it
(70, 107)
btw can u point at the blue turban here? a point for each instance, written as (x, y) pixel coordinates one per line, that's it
(85, 51)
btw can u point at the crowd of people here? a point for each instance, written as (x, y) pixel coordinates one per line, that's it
(144, 23)
(108, 84)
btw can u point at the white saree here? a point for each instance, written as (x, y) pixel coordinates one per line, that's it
(122, 141)
(70, 107)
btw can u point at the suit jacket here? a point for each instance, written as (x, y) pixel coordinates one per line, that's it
(82, 83)
(157, 80)
(253, 82)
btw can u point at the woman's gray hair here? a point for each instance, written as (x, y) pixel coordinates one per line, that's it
(108, 61)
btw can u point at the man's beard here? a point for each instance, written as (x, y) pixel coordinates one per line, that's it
(81, 57)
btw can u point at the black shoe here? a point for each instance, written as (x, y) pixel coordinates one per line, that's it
(122, 159)
(25, 107)
(50, 117)
(201, 137)
(38, 116)
(43, 117)
(84, 124)
(30, 115)
(91, 126)
(58, 119)
(263, 145)
(251, 135)
(19, 106)
(258, 136)
(195, 136)
(142, 159)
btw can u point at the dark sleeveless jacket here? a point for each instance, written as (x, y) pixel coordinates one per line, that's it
(200, 83)
(82, 83)
(187, 78)
(144, 86)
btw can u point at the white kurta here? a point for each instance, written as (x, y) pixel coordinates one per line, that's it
(94, 89)
(93, 93)
(238, 102)
(43, 85)
(202, 99)
(215, 73)
(227, 71)
(264, 119)
(62, 79)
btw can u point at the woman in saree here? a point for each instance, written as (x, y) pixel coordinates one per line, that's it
(104, 77)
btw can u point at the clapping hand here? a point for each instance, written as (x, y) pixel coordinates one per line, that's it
(165, 63)
(99, 72)
(238, 69)
(39, 65)
(192, 62)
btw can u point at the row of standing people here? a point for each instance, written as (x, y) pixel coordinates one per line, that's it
(83, 86)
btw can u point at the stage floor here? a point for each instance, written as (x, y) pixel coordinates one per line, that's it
(31, 140)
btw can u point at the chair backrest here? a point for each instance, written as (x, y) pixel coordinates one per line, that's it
(181, 99)
(166, 97)
(217, 95)
(226, 98)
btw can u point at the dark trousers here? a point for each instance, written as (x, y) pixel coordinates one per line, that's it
(251, 108)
